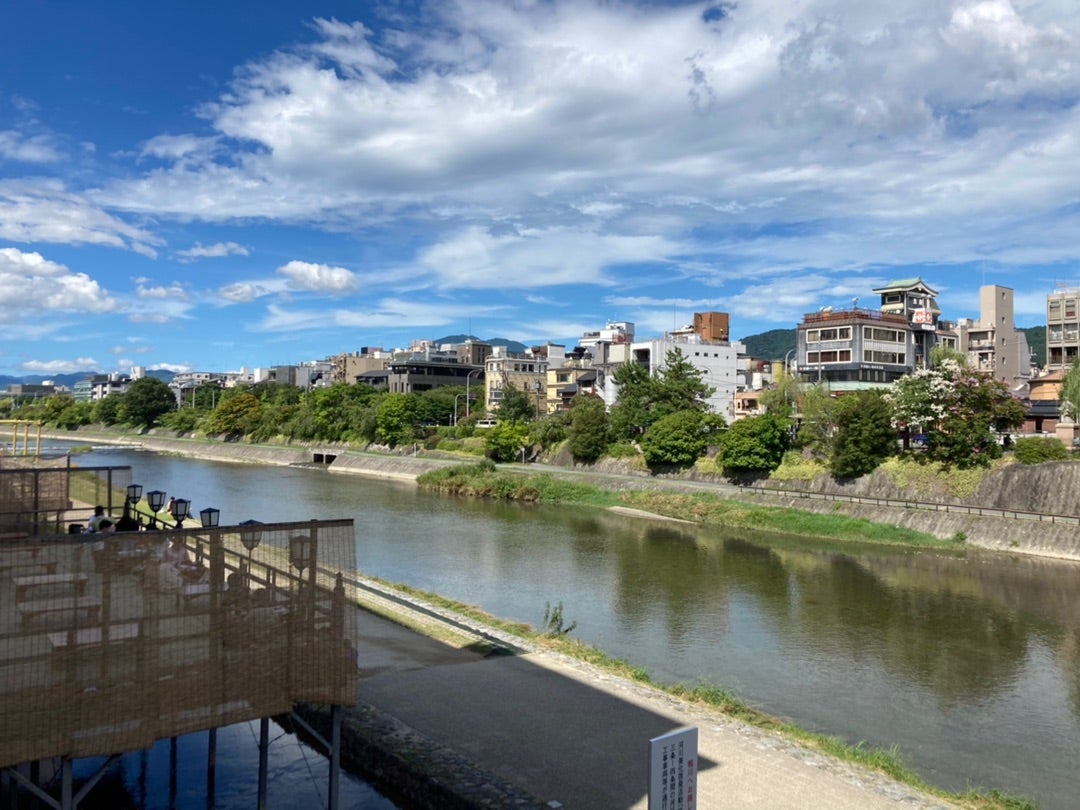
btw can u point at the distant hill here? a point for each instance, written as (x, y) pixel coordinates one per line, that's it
(771, 345)
(1036, 340)
(511, 345)
(69, 380)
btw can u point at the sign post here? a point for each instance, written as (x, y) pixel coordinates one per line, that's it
(673, 767)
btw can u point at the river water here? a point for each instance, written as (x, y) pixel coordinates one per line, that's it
(969, 662)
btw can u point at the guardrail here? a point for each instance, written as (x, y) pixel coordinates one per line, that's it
(926, 506)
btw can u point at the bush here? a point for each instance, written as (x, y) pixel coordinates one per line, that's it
(1030, 450)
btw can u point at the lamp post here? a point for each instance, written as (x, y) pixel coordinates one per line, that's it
(538, 387)
(181, 511)
(467, 378)
(209, 517)
(155, 499)
(456, 397)
(250, 537)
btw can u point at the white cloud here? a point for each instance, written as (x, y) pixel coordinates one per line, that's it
(321, 278)
(60, 366)
(214, 251)
(31, 284)
(243, 292)
(43, 210)
(17, 146)
(178, 147)
(388, 313)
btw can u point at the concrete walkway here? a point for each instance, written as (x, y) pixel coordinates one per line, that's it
(576, 737)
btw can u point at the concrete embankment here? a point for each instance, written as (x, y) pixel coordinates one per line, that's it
(1043, 489)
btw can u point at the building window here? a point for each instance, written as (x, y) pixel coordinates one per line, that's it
(880, 335)
(1070, 308)
(822, 335)
(1055, 332)
(1053, 310)
(834, 356)
(889, 358)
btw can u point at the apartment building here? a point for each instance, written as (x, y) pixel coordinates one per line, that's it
(525, 371)
(993, 344)
(857, 348)
(1062, 329)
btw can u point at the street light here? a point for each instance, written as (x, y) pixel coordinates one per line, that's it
(155, 499)
(209, 517)
(300, 551)
(134, 493)
(467, 378)
(538, 387)
(181, 511)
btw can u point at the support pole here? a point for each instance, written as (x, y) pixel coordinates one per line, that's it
(66, 802)
(211, 768)
(264, 736)
(335, 758)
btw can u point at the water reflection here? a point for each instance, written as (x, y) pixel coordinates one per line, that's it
(969, 662)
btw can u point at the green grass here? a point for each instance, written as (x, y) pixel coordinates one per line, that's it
(888, 761)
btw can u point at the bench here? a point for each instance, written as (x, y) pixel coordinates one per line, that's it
(24, 584)
(92, 636)
(40, 607)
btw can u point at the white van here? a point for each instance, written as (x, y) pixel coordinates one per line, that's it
(486, 423)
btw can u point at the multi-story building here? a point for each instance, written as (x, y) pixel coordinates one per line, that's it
(993, 344)
(706, 347)
(525, 371)
(1062, 328)
(98, 386)
(859, 348)
(608, 349)
(348, 366)
(427, 369)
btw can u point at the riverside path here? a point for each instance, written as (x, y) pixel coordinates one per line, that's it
(562, 733)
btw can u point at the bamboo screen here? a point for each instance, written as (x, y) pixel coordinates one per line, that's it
(109, 642)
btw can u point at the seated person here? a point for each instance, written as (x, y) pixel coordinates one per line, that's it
(95, 522)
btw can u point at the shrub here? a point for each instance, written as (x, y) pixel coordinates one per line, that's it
(1030, 450)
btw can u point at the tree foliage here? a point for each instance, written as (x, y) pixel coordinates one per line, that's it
(147, 400)
(517, 405)
(506, 440)
(235, 416)
(755, 444)
(1036, 450)
(396, 419)
(680, 438)
(590, 428)
(1070, 393)
(865, 435)
(645, 398)
(958, 410)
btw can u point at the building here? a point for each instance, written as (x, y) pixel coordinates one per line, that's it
(99, 386)
(525, 371)
(993, 344)
(426, 369)
(701, 345)
(608, 348)
(858, 348)
(1062, 329)
(349, 366)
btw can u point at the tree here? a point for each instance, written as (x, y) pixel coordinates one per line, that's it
(1070, 393)
(107, 409)
(959, 411)
(395, 419)
(147, 400)
(630, 416)
(680, 386)
(590, 428)
(755, 444)
(680, 438)
(506, 440)
(236, 416)
(516, 405)
(865, 435)
(817, 431)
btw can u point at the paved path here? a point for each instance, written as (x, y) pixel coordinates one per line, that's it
(577, 737)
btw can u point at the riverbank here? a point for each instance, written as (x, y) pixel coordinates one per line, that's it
(1009, 535)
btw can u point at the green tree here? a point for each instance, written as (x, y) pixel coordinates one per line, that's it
(396, 419)
(107, 410)
(817, 429)
(680, 438)
(958, 410)
(147, 400)
(680, 386)
(516, 405)
(236, 416)
(1070, 393)
(1036, 450)
(631, 415)
(755, 444)
(784, 396)
(865, 435)
(75, 415)
(505, 441)
(590, 428)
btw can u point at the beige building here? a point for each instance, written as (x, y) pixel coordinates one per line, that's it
(1062, 329)
(992, 344)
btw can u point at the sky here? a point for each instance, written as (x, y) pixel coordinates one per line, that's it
(210, 186)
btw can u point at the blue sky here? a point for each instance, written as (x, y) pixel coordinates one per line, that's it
(204, 186)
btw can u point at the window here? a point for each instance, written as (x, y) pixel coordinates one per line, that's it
(1070, 308)
(889, 358)
(834, 356)
(1055, 332)
(1053, 310)
(880, 335)
(822, 335)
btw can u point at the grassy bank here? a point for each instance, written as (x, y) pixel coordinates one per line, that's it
(484, 480)
(887, 761)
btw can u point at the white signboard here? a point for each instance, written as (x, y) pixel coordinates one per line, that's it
(673, 767)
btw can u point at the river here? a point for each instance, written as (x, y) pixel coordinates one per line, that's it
(969, 662)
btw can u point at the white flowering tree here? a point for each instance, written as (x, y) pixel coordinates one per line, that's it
(958, 410)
